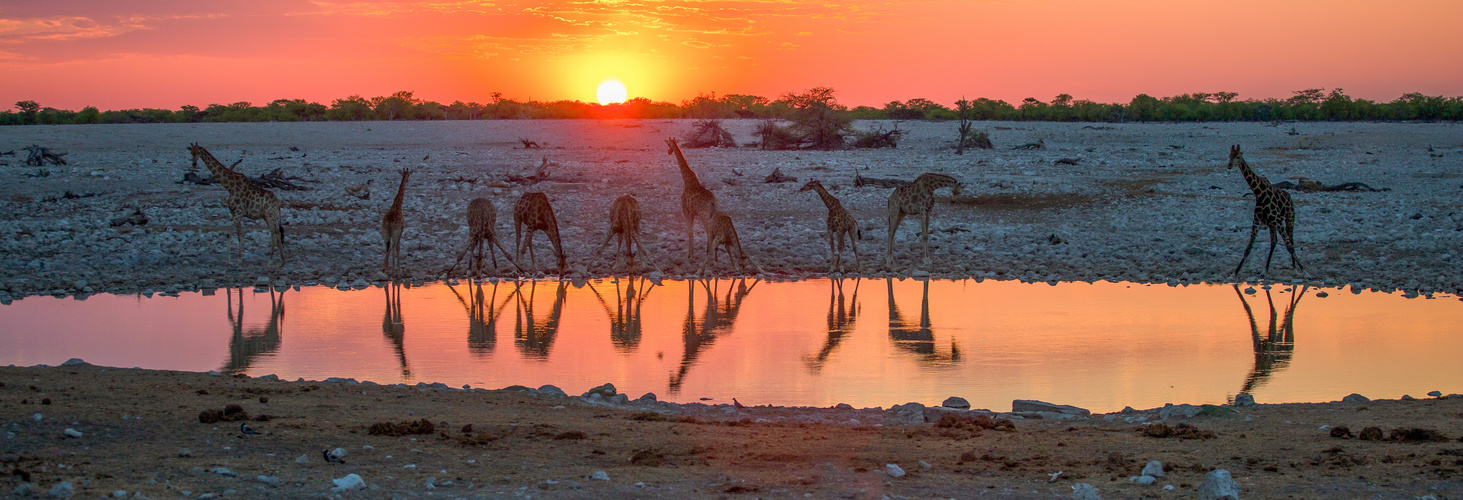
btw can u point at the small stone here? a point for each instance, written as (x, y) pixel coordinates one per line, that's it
(1084, 491)
(1244, 400)
(303, 459)
(1143, 480)
(73, 362)
(924, 465)
(600, 475)
(1219, 485)
(119, 494)
(24, 490)
(1355, 398)
(893, 470)
(62, 490)
(223, 472)
(607, 391)
(349, 482)
(184, 452)
(338, 453)
(550, 390)
(1033, 405)
(269, 480)
(649, 397)
(1436, 394)
(956, 402)
(1408, 397)
(71, 433)
(1153, 469)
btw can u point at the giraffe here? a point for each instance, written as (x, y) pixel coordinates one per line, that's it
(625, 223)
(246, 199)
(533, 210)
(917, 198)
(392, 224)
(697, 202)
(840, 223)
(482, 219)
(1272, 208)
(724, 234)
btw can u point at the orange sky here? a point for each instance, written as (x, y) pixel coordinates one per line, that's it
(167, 53)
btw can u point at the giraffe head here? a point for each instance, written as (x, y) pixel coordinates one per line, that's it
(811, 185)
(195, 150)
(671, 147)
(1236, 158)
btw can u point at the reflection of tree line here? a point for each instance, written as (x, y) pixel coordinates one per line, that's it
(1273, 351)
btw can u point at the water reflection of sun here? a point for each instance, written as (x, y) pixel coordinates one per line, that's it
(611, 91)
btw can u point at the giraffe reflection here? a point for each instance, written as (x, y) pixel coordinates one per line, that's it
(245, 347)
(918, 339)
(533, 339)
(840, 321)
(625, 320)
(716, 319)
(482, 317)
(394, 328)
(1273, 351)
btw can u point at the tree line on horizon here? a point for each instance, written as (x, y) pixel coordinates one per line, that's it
(1305, 105)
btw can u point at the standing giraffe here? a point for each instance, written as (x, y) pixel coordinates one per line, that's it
(482, 219)
(246, 199)
(533, 210)
(392, 224)
(697, 202)
(917, 198)
(1272, 208)
(840, 223)
(723, 234)
(625, 223)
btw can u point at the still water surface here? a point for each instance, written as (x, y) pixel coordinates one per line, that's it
(866, 342)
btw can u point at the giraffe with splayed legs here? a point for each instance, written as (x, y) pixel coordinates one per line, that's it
(916, 198)
(697, 202)
(534, 212)
(840, 224)
(392, 225)
(625, 223)
(1273, 209)
(482, 219)
(723, 235)
(246, 199)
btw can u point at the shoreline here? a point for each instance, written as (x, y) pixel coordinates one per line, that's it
(139, 431)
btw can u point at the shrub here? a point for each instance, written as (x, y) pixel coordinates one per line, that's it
(709, 134)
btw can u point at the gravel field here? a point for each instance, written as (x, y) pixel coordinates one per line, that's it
(1125, 202)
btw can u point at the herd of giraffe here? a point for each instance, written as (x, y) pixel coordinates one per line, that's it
(533, 212)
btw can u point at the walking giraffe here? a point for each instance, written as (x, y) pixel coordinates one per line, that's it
(1273, 208)
(840, 223)
(916, 198)
(246, 199)
(697, 202)
(392, 225)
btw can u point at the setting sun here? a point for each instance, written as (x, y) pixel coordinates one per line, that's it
(611, 91)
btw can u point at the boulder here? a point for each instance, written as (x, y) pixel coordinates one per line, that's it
(1025, 405)
(956, 402)
(1219, 485)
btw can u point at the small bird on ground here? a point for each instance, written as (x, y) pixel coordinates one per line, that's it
(737, 403)
(330, 457)
(244, 428)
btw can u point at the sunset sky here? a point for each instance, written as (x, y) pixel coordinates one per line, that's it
(167, 53)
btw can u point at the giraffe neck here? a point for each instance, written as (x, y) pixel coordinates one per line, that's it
(231, 180)
(828, 199)
(400, 195)
(687, 176)
(1257, 182)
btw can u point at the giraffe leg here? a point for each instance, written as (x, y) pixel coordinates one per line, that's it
(499, 245)
(924, 227)
(239, 230)
(1289, 234)
(690, 236)
(1254, 229)
(832, 255)
(853, 243)
(895, 217)
(1271, 255)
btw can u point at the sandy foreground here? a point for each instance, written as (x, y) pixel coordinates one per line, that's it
(104, 430)
(1129, 202)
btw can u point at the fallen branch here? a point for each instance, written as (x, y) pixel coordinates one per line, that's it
(1031, 146)
(861, 181)
(1309, 186)
(39, 156)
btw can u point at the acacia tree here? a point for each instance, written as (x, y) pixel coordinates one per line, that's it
(818, 118)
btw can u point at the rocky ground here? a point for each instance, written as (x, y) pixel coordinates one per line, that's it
(93, 431)
(1133, 202)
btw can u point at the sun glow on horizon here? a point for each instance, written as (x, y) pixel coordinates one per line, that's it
(611, 91)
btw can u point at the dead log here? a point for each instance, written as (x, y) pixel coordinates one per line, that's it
(778, 177)
(40, 156)
(861, 181)
(527, 144)
(1032, 146)
(1310, 186)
